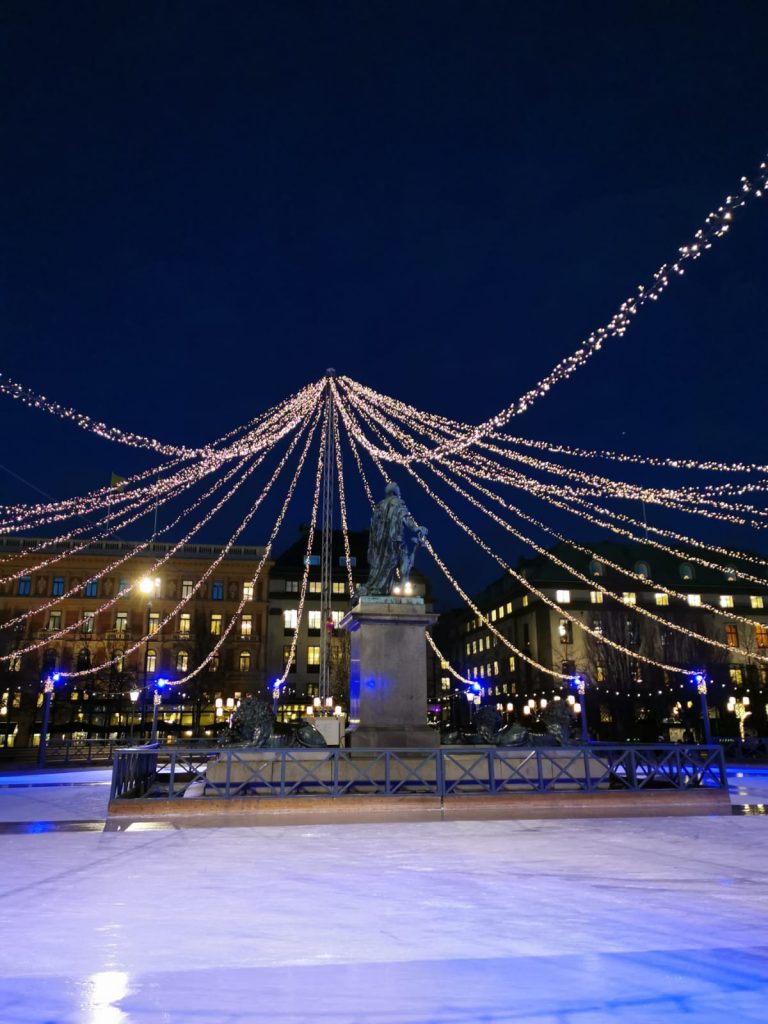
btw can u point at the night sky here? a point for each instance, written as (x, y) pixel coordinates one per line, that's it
(206, 204)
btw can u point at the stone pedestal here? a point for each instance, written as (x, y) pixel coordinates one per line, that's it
(388, 677)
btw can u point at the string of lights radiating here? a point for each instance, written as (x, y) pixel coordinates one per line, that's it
(342, 500)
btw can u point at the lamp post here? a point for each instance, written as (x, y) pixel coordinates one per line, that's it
(739, 708)
(157, 700)
(701, 685)
(134, 695)
(48, 685)
(149, 586)
(581, 688)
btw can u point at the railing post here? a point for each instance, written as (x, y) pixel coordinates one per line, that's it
(387, 778)
(587, 770)
(491, 771)
(539, 771)
(335, 776)
(440, 772)
(228, 776)
(282, 772)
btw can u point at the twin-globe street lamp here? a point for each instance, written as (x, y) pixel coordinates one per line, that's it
(150, 587)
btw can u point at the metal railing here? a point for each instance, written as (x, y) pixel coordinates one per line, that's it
(197, 772)
(65, 751)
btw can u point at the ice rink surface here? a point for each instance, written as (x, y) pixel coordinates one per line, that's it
(552, 922)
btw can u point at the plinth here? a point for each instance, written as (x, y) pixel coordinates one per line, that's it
(388, 673)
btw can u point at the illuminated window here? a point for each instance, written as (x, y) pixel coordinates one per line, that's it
(315, 587)
(87, 624)
(565, 631)
(25, 586)
(121, 622)
(185, 624)
(313, 622)
(468, 647)
(245, 661)
(596, 596)
(756, 601)
(761, 635)
(525, 601)
(313, 657)
(154, 622)
(474, 646)
(562, 597)
(735, 676)
(336, 617)
(495, 668)
(290, 619)
(482, 671)
(58, 586)
(151, 660)
(628, 597)
(732, 635)
(14, 665)
(339, 587)
(694, 600)
(182, 661)
(686, 571)
(214, 663)
(286, 657)
(54, 620)
(600, 675)
(726, 601)
(92, 589)
(493, 614)
(119, 661)
(248, 591)
(217, 591)
(215, 625)
(511, 663)
(662, 600)
(597, 626)
(186, 588)
(445, 683)
(246, 626)
(501, 612)
(509, 607)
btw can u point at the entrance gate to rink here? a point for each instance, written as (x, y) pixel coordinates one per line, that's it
(281, 773)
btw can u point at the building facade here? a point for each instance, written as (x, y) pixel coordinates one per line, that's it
(81, 593)
(626, 697)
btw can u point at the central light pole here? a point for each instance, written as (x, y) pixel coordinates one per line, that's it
(701, 685)
(148, 586)
(581, 688)
(157, 700)
(50, 681)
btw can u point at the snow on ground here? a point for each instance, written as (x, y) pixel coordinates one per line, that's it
(552, 922)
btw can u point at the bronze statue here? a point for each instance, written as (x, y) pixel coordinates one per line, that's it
(388, 551)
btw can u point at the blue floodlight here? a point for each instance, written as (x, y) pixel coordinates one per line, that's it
(56, 677)
(476, 686)
(698, 677)
(161, 683)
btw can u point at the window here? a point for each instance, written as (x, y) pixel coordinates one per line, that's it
(49, 661)
(313, 621)
(509, 607)
(287, 657)
(92, 588)
(336, 617)
(501, 612)
(217, 591)
(215, 663)
(121, 622)
(154, 622)
(493, 615)
(312, 560)
(248, 591)
(122, 586)
(290, 619)
(87, 624)
(185, 624)
(596, 596)
(756, 601)
(732, 635)
(314, 587)
(58, 586)
(474, 646)
(351, 563)
(25, 586)
(525, 600)
(488, 643)
(761, 635)
(662, 600)
(730, 574)
(597, 626)
(600, 674)
(14, 665)
(495, 668)
(643, 569)
(565, 631)
(182, 661)
(482, 671)
(735, 676)
(339, 587)
(596, 568)
(54, 620)
(83, 659)
(561, 596)
(445, 683)
(151, 660)
(628, 597)
(215, 625)
(246, 626)
(186, 588)
(694, 600)
(686, 571)
(726, 601)
(245, 661)
(292, 586)
(468, 647)
(511, 663)
(313, 658)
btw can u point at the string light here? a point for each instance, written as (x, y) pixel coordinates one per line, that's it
(342, 500)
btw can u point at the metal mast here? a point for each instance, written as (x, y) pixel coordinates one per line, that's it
(326, 558)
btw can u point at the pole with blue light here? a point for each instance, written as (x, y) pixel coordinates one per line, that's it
(48, 686)
(701, 685)
(275, 697)
(156, 702)
(581, 688)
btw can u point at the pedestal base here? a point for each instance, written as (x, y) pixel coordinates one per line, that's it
(388, 678)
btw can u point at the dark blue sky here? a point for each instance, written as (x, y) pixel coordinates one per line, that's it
(206, 204)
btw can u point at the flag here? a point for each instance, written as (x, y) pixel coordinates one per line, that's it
(118, 482)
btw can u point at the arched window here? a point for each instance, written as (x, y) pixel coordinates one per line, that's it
(730, 574)
(643, 569)
(596, 568)
(182, 661)
(245, 661)
(151, 660)
(83, 659)
(686, 571)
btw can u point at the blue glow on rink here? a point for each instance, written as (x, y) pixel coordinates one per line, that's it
(623, 921)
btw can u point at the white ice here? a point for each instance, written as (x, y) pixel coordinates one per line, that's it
(549, 922)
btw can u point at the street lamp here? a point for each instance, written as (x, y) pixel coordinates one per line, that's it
(739, 708)
(48, 686)
(581, 688)
(701, 685)
(150, 587)
(156, 702)
(134, 695)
